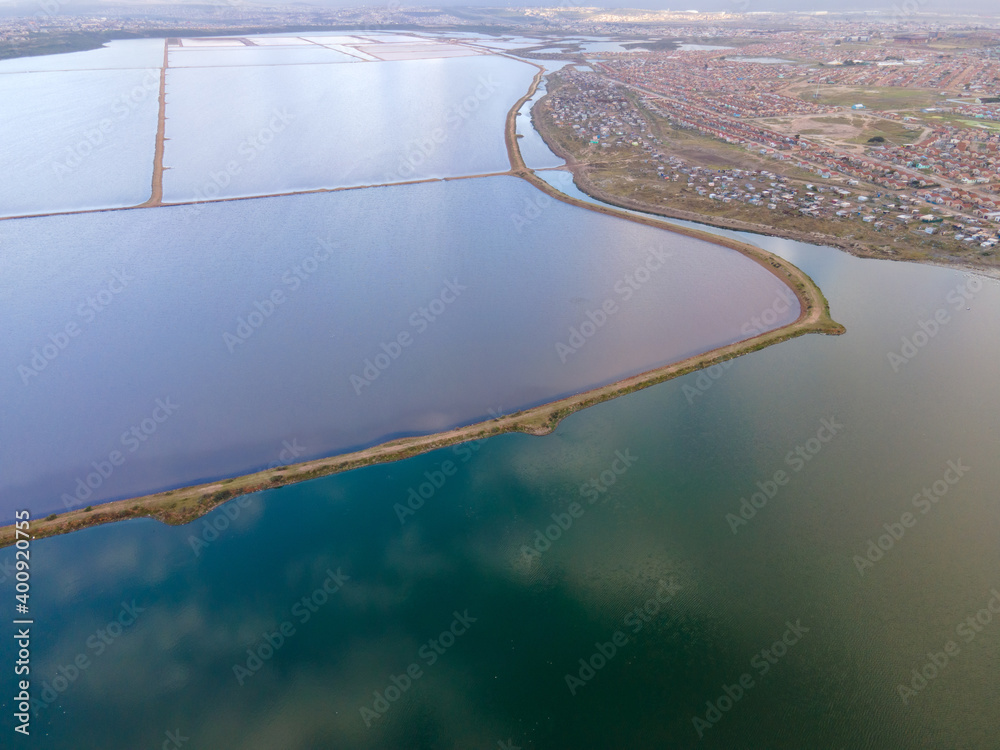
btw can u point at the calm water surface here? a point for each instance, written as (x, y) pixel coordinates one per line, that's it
(535, 152)
(77, 139)
(238, 131)
(638, 496)
(699, 445)
(481, 280)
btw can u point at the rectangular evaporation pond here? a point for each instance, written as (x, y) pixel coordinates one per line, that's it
(397, 39)
(77, 139)
(235, 132)
(278, 41)
(192, 278)
(130, 53)
(212, 42)
(330, 40)
(502, 45)
(417, 51)
(345, 45)
(214, 58)
(353, 52)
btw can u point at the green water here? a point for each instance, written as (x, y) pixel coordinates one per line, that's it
(661, 527)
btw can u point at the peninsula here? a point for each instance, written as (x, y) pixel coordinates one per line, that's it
(184, 505)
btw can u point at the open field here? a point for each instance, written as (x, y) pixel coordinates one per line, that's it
(849, 128)
(873, 98)
(955, 42)
(960, 120)
(984, 124)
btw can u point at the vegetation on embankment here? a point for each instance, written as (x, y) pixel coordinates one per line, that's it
(181, 506)
(625, 176)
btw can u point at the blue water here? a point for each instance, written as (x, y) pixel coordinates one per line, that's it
(213, 589)
(77, 139)
(204, 57)
(534, 150)
(109, 312)
(592, 47)
(239, 131)
(140, 630)
(118, 54)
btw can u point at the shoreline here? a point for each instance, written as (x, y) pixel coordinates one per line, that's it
(184, 505)
(852, 247)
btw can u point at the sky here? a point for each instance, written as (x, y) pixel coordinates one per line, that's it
(888, 7)
(991, 7)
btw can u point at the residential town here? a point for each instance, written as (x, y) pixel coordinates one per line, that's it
(952, 166)
(610, 123)
(889, 122)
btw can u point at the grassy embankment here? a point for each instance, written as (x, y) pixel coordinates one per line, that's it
(184, 505)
